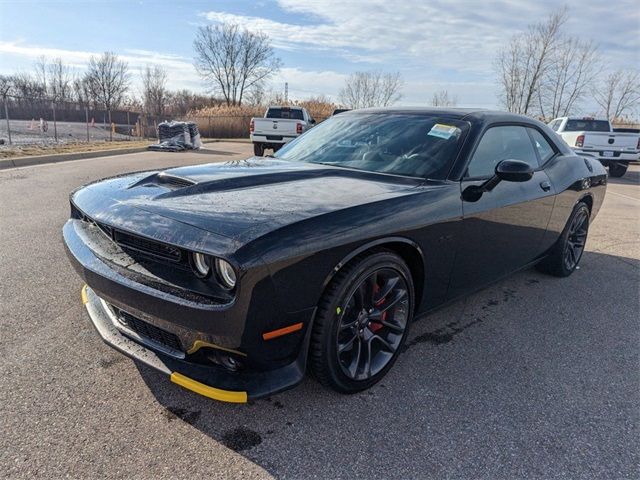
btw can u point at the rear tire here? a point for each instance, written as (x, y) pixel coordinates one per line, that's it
(565, 255)
(362, 322)
(617, 170)
(258, 149)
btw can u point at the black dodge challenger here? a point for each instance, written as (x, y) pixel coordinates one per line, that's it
(233, 278)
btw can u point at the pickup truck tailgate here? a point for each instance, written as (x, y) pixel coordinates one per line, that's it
(610, 141)
(275, 126)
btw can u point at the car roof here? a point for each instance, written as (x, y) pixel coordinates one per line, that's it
(456, 113)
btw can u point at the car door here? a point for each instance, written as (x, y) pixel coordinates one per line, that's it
(503, 229)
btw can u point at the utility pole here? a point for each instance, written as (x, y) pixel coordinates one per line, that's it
(286, 93)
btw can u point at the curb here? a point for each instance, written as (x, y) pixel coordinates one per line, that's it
(63, 157)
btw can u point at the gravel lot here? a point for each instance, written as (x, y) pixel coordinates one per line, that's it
(534, 377)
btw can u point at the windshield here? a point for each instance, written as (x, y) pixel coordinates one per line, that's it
(285, 112)
(402, 144)
(587, 126)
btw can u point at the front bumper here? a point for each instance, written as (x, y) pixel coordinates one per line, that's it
(197, 328)
(210, 381)
(616, 156)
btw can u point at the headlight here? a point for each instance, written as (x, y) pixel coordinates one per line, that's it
(226, 273)
(200, 265)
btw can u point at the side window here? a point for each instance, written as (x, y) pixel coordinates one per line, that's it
(545, 151)
(501, 143)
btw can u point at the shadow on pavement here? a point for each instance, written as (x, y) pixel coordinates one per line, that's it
(520, 379)
(632, 177)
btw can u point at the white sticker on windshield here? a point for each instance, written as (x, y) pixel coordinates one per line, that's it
(443, 131)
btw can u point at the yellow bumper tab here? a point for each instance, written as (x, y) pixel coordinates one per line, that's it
(83, 294)
(207, 391)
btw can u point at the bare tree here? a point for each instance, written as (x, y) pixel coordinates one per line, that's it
(6, 86)
(371, 89)
(572, 71)
(60, 86)
(108, 81)
(525, 61)
(154, 89)
(256, 95)
(82, 92)
(232, 61)
(28, 88)
(41, 71)
(181, 102)
(619, 93)
(442, 99)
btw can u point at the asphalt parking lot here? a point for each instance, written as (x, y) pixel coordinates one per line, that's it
(533, 377)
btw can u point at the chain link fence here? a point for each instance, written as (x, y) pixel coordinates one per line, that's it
(29, 121)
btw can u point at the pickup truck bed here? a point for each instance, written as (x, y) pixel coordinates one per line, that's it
(279, 126)
(597, 139)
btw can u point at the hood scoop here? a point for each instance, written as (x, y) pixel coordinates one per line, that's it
(168, 179)
(165, 179)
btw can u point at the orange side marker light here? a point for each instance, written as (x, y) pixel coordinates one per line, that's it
(282, 331)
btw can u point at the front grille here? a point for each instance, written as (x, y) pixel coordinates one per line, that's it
(149, 247)
(146, 330)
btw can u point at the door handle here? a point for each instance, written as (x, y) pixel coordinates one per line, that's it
(545, 186)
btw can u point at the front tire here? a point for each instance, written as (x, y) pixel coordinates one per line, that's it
(618, 170)
(362, 322)
(565, 256)
(258, 149)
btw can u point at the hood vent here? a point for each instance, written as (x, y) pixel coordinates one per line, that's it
(168, 179)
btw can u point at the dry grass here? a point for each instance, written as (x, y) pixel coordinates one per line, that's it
(222, 121)
(52, 149)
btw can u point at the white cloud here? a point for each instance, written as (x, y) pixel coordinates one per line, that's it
(461, 36)
(181, 73)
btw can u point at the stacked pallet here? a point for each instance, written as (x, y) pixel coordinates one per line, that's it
(177, 136)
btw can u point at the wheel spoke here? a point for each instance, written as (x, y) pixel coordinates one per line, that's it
(360, 296)
(353, 368)
(387, 345)
(348, 345)
(399, 296)
(346, 326)
(388, 287)
(371, 282)
(367, 359)
(392, 326)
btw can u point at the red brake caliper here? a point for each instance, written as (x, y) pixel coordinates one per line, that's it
(375, 326)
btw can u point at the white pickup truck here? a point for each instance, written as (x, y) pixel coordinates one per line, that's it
(596, 138)
(279, 126)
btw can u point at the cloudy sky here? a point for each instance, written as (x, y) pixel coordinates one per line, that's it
(434, 44)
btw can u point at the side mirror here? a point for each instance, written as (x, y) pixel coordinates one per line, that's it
(507, 170)
(514, 171)
(312, 121)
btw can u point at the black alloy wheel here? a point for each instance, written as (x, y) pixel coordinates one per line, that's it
(578, 229)
(362, 322)
(372, 324)
(563, 259)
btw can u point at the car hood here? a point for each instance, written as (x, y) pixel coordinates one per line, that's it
(247, 198)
